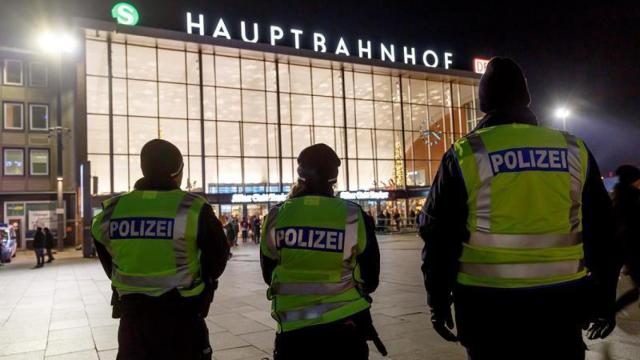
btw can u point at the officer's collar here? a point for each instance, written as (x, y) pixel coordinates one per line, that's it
(522, 115)
(157, 185)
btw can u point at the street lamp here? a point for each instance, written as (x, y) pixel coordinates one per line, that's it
(563, 113)
(57, 44)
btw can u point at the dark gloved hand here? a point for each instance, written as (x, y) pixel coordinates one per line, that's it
(600, 327)
(442, 322)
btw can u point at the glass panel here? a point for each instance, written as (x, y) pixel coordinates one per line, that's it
(385, 144)
(322, 82)
(193, 70)
(285, 108)
(228, 104)
(227, 71)
(272, 107)
(143, 98)
(13, 74)
(13, 162)
(325, 136)
(232, 173)
(210, 139)
(337, 83)
(323, 111)
(384, 115)
(120, 135)
(301, 138)
(351, 143)
(208, 74)
(39, 117)
(101, 170)
(285, 131)
(171, 66)
(274, 168)
(211, 174)
(255, 171)
(193, 102)
(386, 173)
(270, 75)
(301, 112)
(141, 63)
(118, 60)
(363, 86)
(209, 105)
(141, 130)
(353, 174)
(419, 118)
(300, 79)
(287, 171)
(173, 100)
(284, 77)
(365, 143)
(253, 106)
(382, 87)
(435, 93)
(466, 96)
(272, 140)
(98, 134)
(255, 139)
(366, 178)
(228, 139)
(96, 58)
(194, 138)
(348, 85)
(194, 181)
(121, 172)
(175, 131)
(119, 96)
(97, 95)
(418, 91)
(252, 74)
(364, 114)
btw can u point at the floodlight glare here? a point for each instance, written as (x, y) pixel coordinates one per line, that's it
(562, 113)
(57, 43)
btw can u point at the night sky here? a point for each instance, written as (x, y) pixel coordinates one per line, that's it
(584, 55)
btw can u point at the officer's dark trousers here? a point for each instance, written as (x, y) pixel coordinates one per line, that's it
(334, 341)
(154, 332)
(521, 324)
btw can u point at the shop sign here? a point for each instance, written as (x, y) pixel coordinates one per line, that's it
(364, 195)
(257, 198)
(276, 35)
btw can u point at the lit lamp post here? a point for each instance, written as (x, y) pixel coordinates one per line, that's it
(563, 113)
(58, 44)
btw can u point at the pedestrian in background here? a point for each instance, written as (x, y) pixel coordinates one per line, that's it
(244, 228)
(38, 247)
(49, 244)
(256, 229)
(519, 233)
(163, 250)
(626, 205)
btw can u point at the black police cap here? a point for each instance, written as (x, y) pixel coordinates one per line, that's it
(160, 159)
(318, 161)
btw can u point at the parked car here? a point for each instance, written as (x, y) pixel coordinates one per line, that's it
(8, 243)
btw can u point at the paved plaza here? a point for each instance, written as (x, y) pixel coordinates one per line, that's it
(62, 311)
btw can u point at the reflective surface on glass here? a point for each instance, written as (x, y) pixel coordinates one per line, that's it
(389, 129)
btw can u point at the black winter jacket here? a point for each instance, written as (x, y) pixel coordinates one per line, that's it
(443, 226)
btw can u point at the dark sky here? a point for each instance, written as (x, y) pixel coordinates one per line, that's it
(585, 54)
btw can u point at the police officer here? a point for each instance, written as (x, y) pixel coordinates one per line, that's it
(518, 232)
(163, 250)
(320, 258)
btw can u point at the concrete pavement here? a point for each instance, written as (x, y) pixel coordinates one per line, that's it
(62, 311)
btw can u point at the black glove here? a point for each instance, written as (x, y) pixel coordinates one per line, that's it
(600, 327)
(442, 322)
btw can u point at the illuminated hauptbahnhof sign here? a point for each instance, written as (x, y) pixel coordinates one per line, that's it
(275, 35)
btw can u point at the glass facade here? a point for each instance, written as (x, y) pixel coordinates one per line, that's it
(241, 117)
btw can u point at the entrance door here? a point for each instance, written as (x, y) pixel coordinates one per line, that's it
(17, 226)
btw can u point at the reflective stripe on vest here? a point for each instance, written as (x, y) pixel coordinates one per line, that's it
(312, 312)
(519, 260)
(524, 241)
(183, 277)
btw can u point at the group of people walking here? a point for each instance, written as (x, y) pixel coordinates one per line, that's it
(518, 229)
(244, 229)
(43, 241)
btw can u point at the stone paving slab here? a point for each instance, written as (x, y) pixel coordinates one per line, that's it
(62, 312)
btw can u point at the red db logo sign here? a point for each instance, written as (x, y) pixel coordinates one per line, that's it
(480, 65)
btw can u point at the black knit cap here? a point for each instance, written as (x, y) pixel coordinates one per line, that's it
(503, 86)
(160, 159)
(628, 174)
(318, 161)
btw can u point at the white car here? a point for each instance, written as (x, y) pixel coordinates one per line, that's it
(8, 244)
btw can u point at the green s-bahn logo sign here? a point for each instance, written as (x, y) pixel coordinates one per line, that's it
(125, 14)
